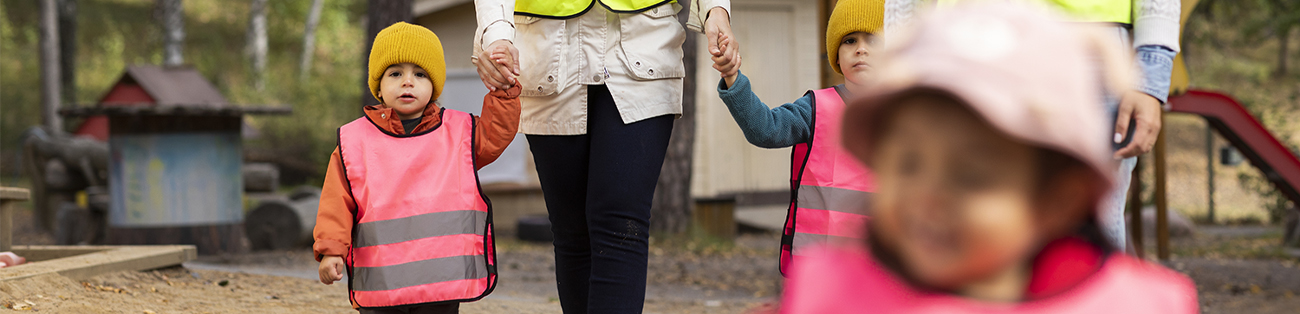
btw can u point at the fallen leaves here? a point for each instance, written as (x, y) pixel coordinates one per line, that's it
(93, 287)
(25, 305)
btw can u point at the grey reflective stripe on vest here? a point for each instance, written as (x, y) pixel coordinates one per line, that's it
(419, 273)
(420, 227)
(803, 241)
(833, 199)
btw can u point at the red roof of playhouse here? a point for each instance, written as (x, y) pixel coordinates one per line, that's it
(151, 85)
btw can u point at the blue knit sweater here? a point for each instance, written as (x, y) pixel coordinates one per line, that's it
(765, 127)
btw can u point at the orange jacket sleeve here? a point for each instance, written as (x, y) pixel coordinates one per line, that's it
(333, 233)
(497, 128)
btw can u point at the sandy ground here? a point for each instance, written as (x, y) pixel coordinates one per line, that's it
(272, 282)
(1236, 269)
(684, 277)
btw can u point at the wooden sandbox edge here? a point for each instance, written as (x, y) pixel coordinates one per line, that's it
(107, 260)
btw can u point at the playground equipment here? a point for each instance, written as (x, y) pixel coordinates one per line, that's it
(175, 161)
(1223, 113)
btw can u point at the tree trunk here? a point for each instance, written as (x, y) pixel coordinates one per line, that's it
(380, 14)
(68, 49)
(671, 210)
(50, 66)
(172, 18)
(309, 40)
(1283, 42)
(255, 41)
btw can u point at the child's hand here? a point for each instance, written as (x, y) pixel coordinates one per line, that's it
(505, 57)
(497, 65)
(729, 66)
(331, 269)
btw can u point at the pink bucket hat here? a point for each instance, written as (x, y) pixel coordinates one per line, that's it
(1033, 78)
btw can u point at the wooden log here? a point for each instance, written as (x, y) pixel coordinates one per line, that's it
(273, 225)
(261, 177)
(279, 223)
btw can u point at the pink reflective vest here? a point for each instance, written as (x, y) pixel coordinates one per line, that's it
(423, 227)
(829, 188)
(848, 280)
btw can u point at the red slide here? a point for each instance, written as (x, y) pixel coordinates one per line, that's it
(1265, 152)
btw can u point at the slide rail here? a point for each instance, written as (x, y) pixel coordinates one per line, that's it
(1278, 163)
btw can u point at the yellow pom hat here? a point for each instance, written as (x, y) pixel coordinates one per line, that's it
(401, 43)
(851, 16)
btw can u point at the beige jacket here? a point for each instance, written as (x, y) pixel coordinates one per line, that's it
(638, 56)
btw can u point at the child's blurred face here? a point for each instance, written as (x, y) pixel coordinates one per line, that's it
(855, 48)
(407, 89)
(956, 198)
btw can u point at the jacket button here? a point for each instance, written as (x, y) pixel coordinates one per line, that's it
(383, 115)
(550, 78)
(595, 77)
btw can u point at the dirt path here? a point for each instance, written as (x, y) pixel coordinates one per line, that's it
(686, 278)
(1236, 270)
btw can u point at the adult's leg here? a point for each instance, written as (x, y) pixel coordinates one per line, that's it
(624, 167)
(1111, 214)
(562, 169)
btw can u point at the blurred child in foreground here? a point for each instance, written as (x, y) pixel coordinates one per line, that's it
(984, 127)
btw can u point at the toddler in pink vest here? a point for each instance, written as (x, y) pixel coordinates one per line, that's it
(985, 130)
(402, 213)
(829, 188)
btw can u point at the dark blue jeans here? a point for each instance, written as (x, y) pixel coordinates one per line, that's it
(598, 188)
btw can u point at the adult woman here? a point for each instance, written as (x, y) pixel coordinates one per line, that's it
(601, 85)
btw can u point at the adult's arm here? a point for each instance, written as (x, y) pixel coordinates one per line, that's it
(494, 55)
(716, 25)
(1155, 34)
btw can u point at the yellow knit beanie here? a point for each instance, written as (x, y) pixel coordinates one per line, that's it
(851, 16)
(402, 42)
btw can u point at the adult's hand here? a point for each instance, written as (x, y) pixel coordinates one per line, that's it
(722, 42)
(498, 65)
(1145, 111)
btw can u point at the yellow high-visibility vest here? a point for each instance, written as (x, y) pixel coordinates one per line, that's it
(1113, 11)
(563, 9)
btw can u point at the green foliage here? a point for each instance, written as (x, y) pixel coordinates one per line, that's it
(114, 34)
(1233, 46)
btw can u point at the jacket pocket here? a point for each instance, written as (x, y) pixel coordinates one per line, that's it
(651, 43)
(541, 44)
